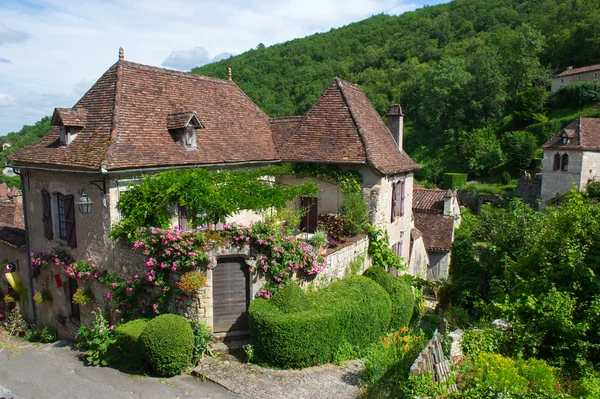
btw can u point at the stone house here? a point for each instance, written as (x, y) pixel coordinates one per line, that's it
(571, 158)
(437, 215)
(136, 120)
(576, 75)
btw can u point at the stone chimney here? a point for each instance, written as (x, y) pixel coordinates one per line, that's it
(395, 122)
(121, 53)
(449, 203)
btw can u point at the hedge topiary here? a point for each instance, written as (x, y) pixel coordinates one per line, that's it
(291, 299)
(355, 311)
(128, 343)
(403, 300)
(453, 181)
(168, 343)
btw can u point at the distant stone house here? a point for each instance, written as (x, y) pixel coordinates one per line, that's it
(571, 158)
(437, 215)
(576, 75)
(138, 119)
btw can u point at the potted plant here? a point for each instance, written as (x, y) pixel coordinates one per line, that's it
(83, 296)
(319, 240)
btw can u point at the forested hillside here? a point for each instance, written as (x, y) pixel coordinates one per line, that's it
(472, 75)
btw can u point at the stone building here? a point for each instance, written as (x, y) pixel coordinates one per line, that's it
(137, 120)
(437, 215)
(571, 158)
(576, 75)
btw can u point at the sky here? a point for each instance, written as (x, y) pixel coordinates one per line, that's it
(52, 52)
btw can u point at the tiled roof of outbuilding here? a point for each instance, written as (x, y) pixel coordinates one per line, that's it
(428, 200)
(575, 71)
(582, 134)
(12, 236)
(126, 124)
(343, 127)
(438, 231)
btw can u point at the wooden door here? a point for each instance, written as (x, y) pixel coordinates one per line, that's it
(308, 223)
(230, 295)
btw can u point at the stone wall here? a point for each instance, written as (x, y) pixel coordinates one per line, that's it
(419, 259)
(530, 191)
(559, 181)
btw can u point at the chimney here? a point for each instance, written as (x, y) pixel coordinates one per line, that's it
(121, 53)
(570, 67)
(395, 122)
(448, 203)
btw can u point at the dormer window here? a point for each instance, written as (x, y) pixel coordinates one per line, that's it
(564, 139)
(70, 121)
(183, 127)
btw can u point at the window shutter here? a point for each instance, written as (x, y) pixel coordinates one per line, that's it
(70, 221)
(47, 214)
(565, 162)
(556, 161)
(183, 213)
(402, 196)
(393, 218)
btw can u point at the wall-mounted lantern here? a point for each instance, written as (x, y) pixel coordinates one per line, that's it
(85, 203)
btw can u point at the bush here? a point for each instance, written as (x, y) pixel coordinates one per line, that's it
(403, 300)
(576, 95)
(44, 334)
(475, 342)
(353, 312)
(168, 342)
(454, 180)
(354, 213)
(128, 343)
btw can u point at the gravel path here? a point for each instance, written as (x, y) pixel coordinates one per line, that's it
(254, 382)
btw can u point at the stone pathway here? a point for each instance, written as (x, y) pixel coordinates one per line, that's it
(254, 382)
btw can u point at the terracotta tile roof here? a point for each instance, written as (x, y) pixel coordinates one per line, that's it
(126, 125)
(178, 120)
(575, 71)
(582, 133)
(437, 230)
(428, 200)
(69, 117)
(415, 234)
(12, 236)
(283, 128)
(344, 127)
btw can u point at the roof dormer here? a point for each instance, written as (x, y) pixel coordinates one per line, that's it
(70, 121)
(183, 127)
(564, 139)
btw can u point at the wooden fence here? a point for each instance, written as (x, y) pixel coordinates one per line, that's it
(432, 359)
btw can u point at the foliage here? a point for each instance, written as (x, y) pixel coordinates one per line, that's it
(24, 137)
(291, 299)
(319, 239)
(61, 258)
(403, 300)
(488, 340)
(453, 181)
(13, 327)
(41, 297)
(349, 181)
(168, 342)
(593, 189)
(203, 337)
(97, 340)
(354, 212)
(208, 196)
(83, 296)
(505, 177)
(190, 282)
(45, 334)
(128, 343)
(519, 148)
(351, 312)
(481, 151)
(9, 298)
(388, 362)
(249, 352)
(355, 265)
(282, 258)
(380, 252)
(576, 94)
(22, 292)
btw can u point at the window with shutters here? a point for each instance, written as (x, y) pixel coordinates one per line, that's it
(62, 219)
(398, 200)
(394, 187)
(64, 212)
(402, 196)
(556, 161)
(564, 165)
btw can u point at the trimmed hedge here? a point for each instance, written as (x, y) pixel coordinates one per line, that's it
(576, 95)
(453, 181)
(128, 343)
(355, 311)
(291, 299)
(168, 342)
(403, 300)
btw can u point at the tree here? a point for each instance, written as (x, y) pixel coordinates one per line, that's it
(519, 147)
(480, 150)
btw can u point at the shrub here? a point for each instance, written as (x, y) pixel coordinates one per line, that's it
(519, 148)
(128, 342)
(475, 342)
(454, 180)
(354, 213)
(403, 300)
(505, 177)
(388, 362)
(351, 312)
(168, 341)
(97, 340)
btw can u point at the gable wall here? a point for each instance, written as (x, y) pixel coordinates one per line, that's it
(558, 181)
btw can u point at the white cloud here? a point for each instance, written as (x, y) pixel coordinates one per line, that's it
(6, 100)
(8, 35)
(61, 47)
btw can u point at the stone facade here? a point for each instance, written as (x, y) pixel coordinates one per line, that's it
(419, 259)
(589, 75)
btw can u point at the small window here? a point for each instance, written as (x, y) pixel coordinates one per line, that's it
(595, 74)
(556, 161)
(565, 163)
(402, 196)
(564, 140)
(68, 134)
(562, 81)
(579, 77)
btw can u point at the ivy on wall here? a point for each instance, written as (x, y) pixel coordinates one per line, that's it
(349, 181)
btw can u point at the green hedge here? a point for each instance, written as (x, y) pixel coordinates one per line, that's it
(576, 95)
(403, 300)
(353, 312)
(453, 181)
(168, 342)
(128, 343)
(291, 299)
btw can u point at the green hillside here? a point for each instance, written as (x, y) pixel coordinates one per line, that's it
(471, 75)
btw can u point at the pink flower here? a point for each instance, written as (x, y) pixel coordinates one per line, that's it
(111, 327)
(96, 275)
(113, 284)
(135, 277)
(212, 258)
(265, 267)
(155, 308)
(150, 278)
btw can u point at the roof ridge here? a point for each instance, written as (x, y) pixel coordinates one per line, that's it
(178, 73)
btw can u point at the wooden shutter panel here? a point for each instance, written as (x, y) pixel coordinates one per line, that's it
(402, 196)
(47, 214)
(70, 221)
(393, 218)
(183, 213)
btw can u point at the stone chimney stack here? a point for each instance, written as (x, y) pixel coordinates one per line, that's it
(121, 53)
(449, 203)
(395, 122)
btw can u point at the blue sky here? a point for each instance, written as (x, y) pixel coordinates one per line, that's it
(51, 52)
